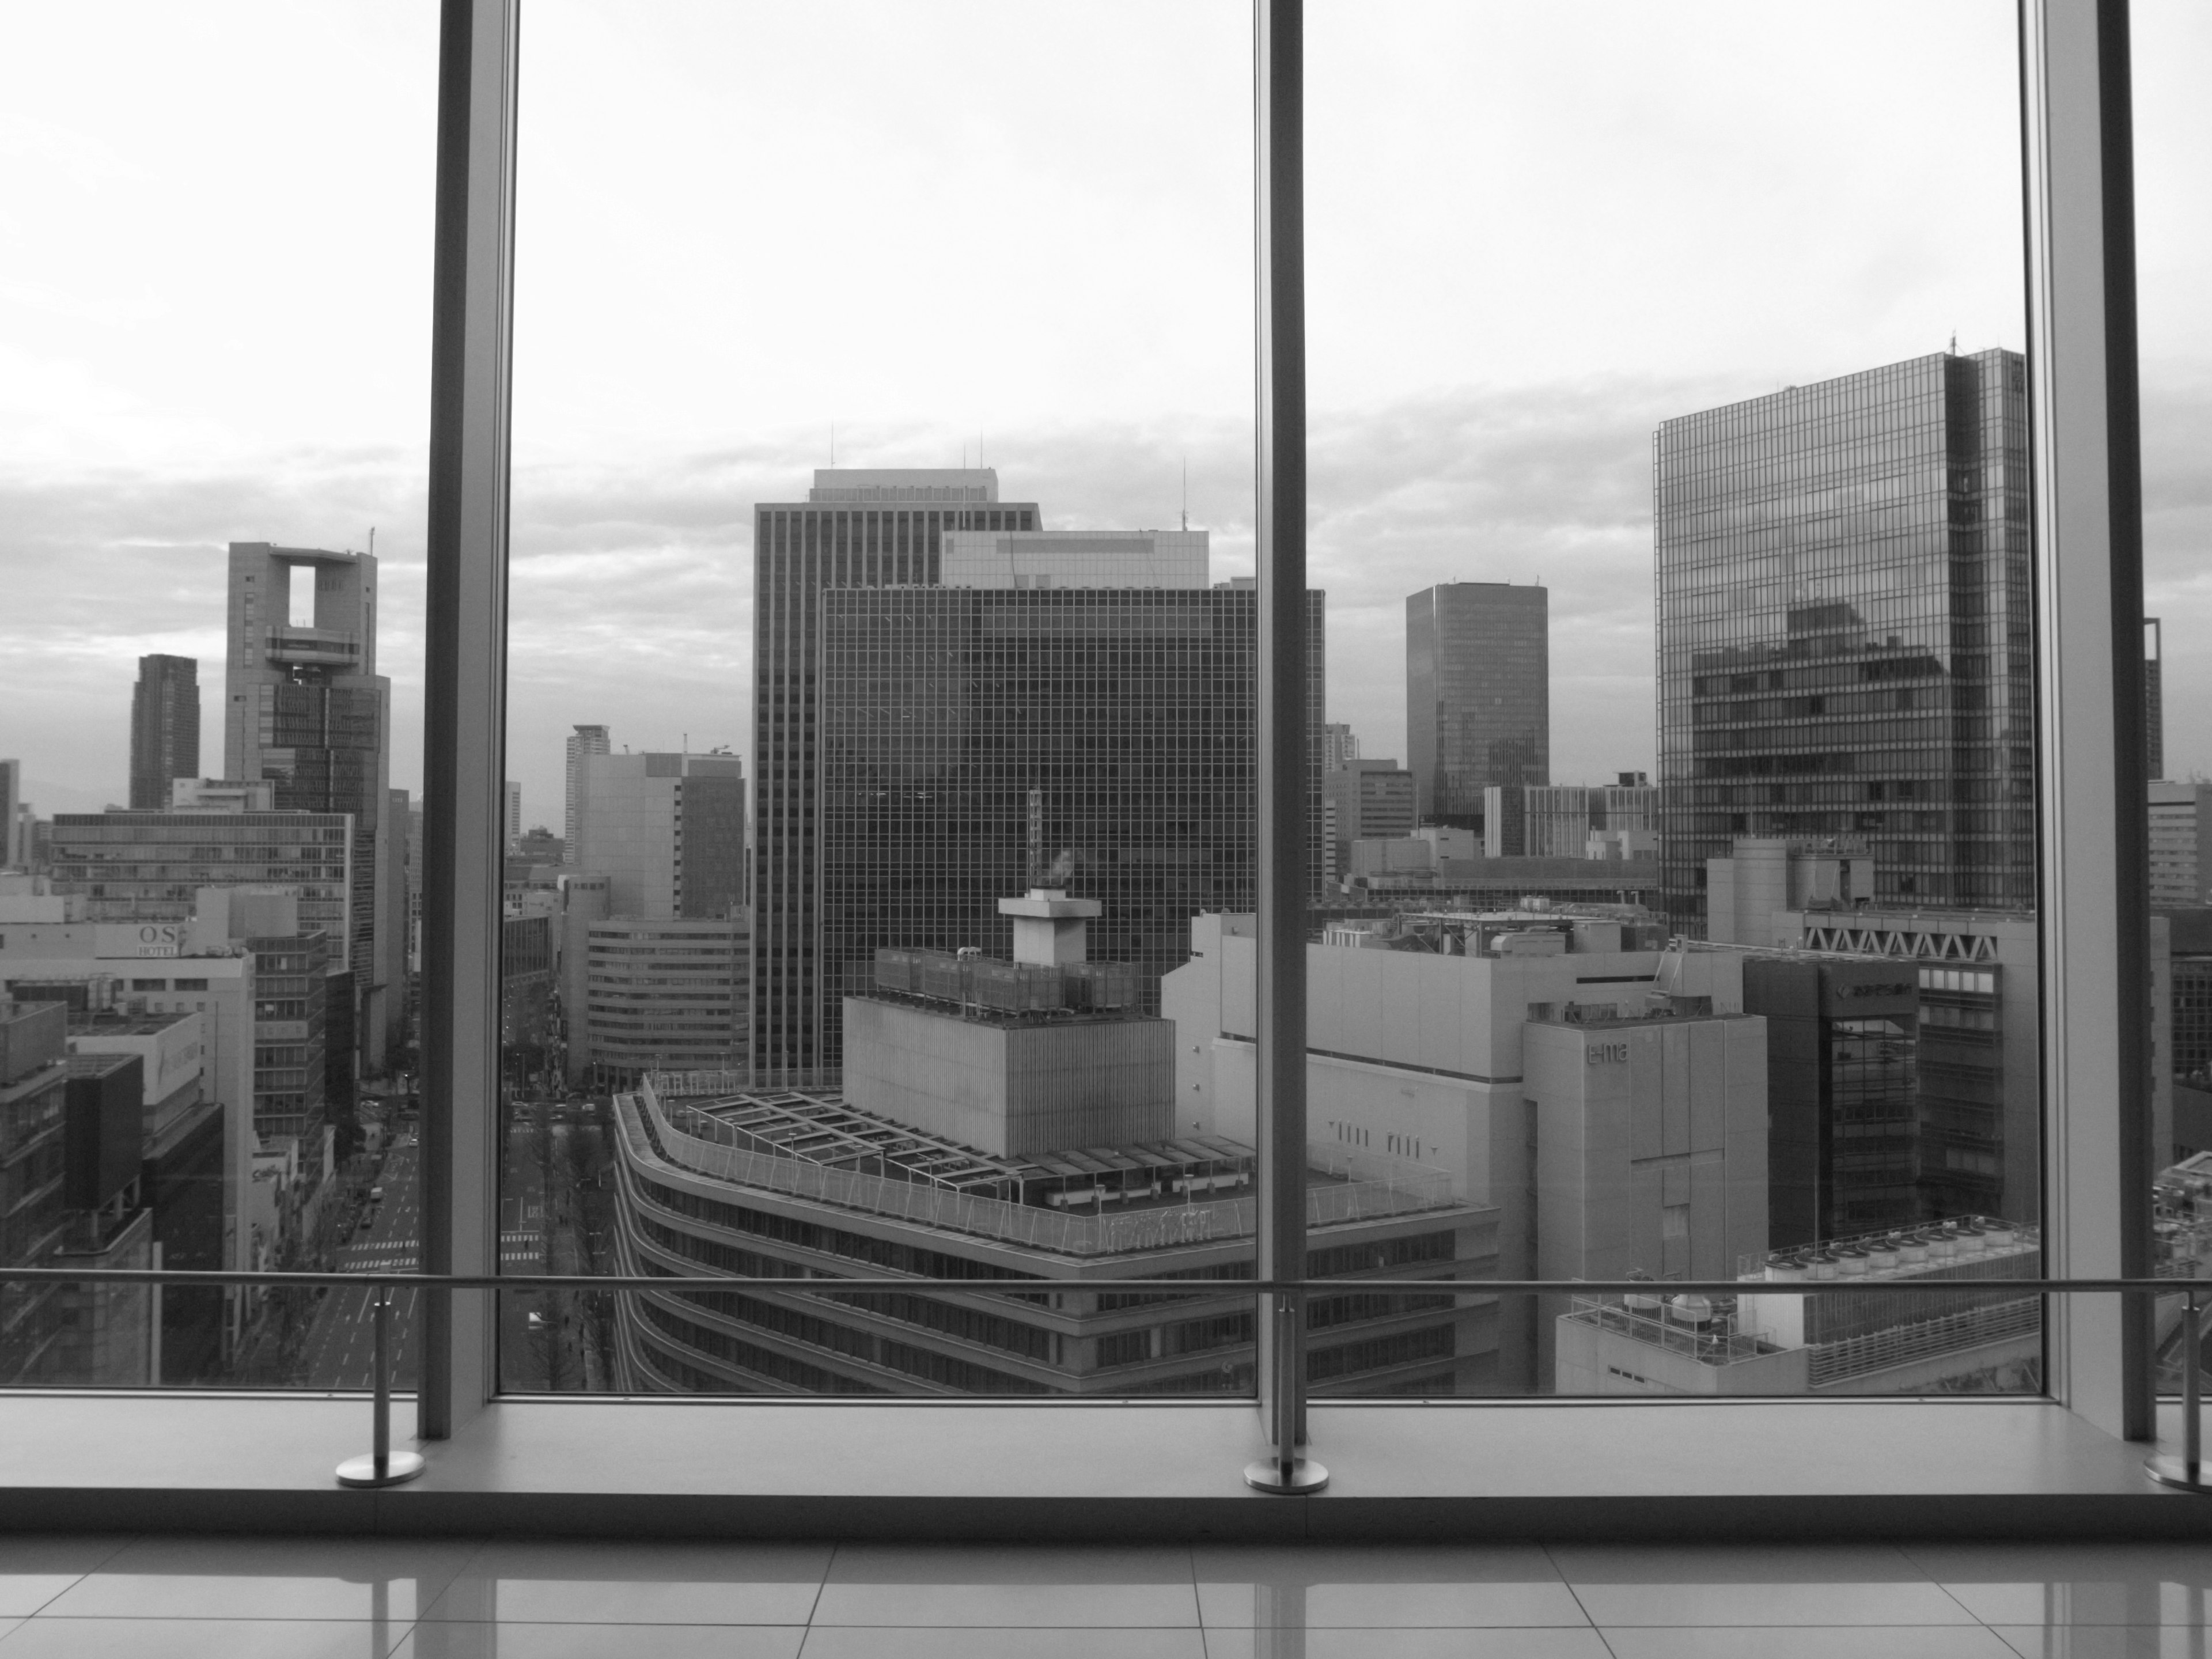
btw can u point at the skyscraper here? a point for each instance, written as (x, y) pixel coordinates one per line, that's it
(2153, 698)
(1478, 696)
(513, 802)
(305, 709)
(12, 851)
(1844, 630)
(856, 529)
(667, 830)
(165, 728)
(584, 741)
(975, 742)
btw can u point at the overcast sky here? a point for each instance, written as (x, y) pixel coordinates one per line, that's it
(1020, 229)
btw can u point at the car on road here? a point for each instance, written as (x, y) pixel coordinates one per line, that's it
(376, 1194)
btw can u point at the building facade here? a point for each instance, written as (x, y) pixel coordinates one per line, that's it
(1478, 695)
(664, 995)
(1367, 800)
(305, 709)
(857, 528)
(2180, 844)
(975, 742)
(584, 741)
(165, 728)
(1845, 629)
(667, 830)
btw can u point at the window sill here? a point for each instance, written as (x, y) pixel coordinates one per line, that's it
(799, 1468)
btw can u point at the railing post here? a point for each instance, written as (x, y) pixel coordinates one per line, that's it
(382, 1467)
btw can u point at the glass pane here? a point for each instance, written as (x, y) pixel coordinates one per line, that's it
(881, 699)
(213, 346)
(1670, 487)
(2173, 49)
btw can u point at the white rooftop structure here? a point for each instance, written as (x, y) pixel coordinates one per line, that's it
(1074, 558)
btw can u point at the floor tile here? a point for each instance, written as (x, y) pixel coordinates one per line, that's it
(1809, 1642)
(983, 1585)
(2098, 1641)
(637, 1583)
(509, 1639)
(1780, 1585)
(955, 1642)
(34, 1569)
(2145, 1583)
(1540, 1643)
(1368, 1589)
(245, 1577)
(201, 1638)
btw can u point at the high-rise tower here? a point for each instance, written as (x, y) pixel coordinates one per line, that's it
(165, 728)
(1478, 696)
(1845, 630)
(304, 709)
(856, 529)
(584, 741)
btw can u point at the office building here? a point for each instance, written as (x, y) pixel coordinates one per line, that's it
(526, 1000)
(153, 866)
(1366, 800)
(1844, 634)
(165, 728)
(306, 709)
(2153, 698)
(1420, 1045)
(1017, 1125)
(1339, 746)
(2180, 844)
(512, 801)
(667, 830)
(13, 855)
(34, 1104)
(977, 742)
(662, 994)
(1478, 696)
(857, 528)
(1978, 1340)
(1073, 558)
(584, 741)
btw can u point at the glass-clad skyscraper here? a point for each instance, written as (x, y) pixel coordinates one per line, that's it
(165, 728)
(976, 742)
(857, 528)
(1844, 630)
(1478, 696)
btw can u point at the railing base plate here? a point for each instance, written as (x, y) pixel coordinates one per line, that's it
(2179, 1471)
(1266, 1475)
(361, 1470)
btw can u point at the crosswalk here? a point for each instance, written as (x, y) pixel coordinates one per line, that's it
(520, 1248)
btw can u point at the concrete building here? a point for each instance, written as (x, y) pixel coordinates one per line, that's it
(34, 1105)
(1845, 637)
(2181, 843)
(1417, 1047)
(1368, 799)
(1981, 1340)
(667, 830)
(1340, 746)
(664, 995)
(165, 728)
(584, 741)
(1751, 891)
(1561, 821)
(305, 709)
(221, 795)
(1478, 696)
(1007, 1133)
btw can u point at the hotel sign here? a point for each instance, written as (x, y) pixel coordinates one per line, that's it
(140, 939)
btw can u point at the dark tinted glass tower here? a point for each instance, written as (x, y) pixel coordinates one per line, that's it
(2153, 698)
(1478, 696)
(1844, 630)
(306, 709)
(165, 728)
(856, 529)
(976, 743)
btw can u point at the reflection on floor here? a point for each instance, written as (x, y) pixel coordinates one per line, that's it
(367, 1598)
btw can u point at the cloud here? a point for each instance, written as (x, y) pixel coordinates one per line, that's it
(631, 587)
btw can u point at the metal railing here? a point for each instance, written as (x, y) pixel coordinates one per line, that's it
(383, 1467)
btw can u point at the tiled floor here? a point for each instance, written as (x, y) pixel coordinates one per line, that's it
(367, 1598)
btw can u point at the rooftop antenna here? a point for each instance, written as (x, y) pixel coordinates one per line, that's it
(1955, 343)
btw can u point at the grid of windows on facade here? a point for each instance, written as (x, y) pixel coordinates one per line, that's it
(978, 743)
(858, 529)
(151, 866)
(1478, 696)
(1844, 630)
(667, 993)
(852, 1194)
